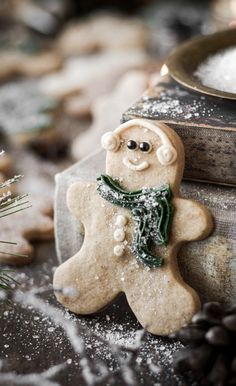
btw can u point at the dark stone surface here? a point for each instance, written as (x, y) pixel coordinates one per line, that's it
(32, 341)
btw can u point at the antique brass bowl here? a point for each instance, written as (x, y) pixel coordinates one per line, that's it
(184, 61)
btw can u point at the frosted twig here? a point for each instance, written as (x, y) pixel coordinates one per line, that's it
(57, 317)
(33, 379)
(92, 373)
(55, 314)
(11, 181)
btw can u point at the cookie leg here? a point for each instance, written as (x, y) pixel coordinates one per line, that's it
(162, 302)
(83, 286)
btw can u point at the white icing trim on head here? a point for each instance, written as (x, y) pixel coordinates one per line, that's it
(166, 153)
(139, 167)
(110, 141)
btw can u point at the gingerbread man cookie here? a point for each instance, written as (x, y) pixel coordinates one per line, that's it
(134, 222)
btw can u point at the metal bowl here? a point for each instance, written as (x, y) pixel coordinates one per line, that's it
(184, 61)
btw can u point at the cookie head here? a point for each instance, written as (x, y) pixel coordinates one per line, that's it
(143, 153)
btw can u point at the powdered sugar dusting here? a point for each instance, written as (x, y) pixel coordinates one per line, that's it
(102, 348)
(170, 104)
(106, 349)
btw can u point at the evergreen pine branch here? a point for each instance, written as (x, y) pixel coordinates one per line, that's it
(8, 206)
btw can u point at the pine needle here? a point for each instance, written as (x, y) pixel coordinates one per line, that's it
(6, 280)
(7, 242)
(8, 206)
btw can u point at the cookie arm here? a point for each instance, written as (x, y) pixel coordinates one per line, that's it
(192, 221)
(79, 197)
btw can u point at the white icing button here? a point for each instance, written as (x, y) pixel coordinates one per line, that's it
(119, 235)
(119, 250)
(121, 220)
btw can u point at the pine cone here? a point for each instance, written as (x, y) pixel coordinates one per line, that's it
(211, 345)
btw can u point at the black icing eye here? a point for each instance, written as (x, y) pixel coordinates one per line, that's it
(145, 147)
(132, 145)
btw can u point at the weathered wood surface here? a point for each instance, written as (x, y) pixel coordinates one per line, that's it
(209, 266)
(207, 126)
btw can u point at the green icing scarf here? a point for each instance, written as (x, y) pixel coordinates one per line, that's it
(151, 211)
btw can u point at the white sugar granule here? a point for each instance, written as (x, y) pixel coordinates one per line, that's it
(219, 71)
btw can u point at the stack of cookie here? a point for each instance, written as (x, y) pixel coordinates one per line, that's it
(50, 89)
(94, 51)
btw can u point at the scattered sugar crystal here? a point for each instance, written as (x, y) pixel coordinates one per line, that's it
(3, 295)
(154, 368)
(97, 339)
(218, 71)
(139, 360)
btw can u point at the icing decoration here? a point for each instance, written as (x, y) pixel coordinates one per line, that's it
(166, 154)
(110, 141)
(152, 213)
(145, 147)
(135, 167)
(121, 220)
(119, 250)
(119, 235)
(131, 145)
